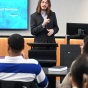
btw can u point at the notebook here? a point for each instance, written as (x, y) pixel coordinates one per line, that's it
(57, 68)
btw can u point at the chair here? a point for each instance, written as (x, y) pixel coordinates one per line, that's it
(16, 84)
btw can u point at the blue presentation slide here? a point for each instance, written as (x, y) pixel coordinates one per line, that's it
(13, 14)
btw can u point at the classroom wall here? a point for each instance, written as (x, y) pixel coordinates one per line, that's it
(74, 11)
(4, 49)
(4, 44)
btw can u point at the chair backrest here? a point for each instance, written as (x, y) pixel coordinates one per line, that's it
(16, 84)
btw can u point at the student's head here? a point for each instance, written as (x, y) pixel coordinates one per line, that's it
(84, 44)
(79, 71)
(15, 43)
(44, 5)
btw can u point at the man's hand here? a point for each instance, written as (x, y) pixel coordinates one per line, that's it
(45, 21)
(50, 32)
(24, 55)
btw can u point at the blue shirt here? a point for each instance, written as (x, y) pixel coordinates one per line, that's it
(19, 69)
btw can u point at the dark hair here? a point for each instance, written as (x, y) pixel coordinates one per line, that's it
(79, 69)
(38, 9)
(16, 42)
(85, 48)
(85, 39)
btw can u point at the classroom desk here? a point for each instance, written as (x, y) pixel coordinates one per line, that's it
(52, 76)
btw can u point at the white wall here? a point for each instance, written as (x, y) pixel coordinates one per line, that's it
(74, 11)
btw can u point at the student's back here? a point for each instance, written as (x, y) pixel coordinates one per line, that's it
(16, 68)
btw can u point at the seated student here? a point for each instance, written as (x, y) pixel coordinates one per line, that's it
(66, 82)
(16, 68)
(79, 72)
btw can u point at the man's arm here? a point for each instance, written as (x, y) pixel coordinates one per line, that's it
(66, 83)
(35, 27)
(41, 78)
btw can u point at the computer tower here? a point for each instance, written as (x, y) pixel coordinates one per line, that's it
(68, 54)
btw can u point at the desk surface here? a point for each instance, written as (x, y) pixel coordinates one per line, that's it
(53, 73)
(42, 44)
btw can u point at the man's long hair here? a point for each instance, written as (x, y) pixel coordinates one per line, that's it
(48, 11)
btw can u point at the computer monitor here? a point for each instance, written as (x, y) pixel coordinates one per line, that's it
(78, 29)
